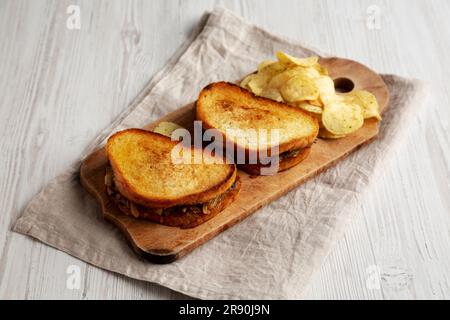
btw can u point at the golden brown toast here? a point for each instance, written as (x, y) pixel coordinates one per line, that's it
(145, 174)
(224, 105)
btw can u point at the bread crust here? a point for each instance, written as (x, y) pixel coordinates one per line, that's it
(178, 218)
(284, 147)
(284, 164)
(131, 193)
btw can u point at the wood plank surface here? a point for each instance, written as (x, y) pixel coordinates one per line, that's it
(61, 87)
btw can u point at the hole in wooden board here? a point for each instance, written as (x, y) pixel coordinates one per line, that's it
(343, 85)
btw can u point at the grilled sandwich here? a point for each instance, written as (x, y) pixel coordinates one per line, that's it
(227, 107)
(145, 182)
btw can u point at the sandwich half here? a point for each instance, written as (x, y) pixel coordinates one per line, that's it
(145, 182)
(226, 107)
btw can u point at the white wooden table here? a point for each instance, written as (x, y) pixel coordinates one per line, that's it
(59, 87)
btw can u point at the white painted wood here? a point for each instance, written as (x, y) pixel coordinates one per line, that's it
(60, 87)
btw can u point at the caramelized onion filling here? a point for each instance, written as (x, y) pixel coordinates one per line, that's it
(204, 208)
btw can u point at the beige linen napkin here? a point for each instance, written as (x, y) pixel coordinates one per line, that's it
(274, 252)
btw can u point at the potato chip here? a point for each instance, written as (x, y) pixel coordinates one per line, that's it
(299, 88)
(327, 93)
(272, 93)
(316, 103)
(325, 134)
(344, 97)
(246, 80)
(368, 102)
(320, 69)
(166, 128)
(342, 118)
(260, 80)
(264, 64)
(281, 78)
(256, 85)
(272, 68)
(297, 70)
(309, 107)
(309, 72)
(290, 60)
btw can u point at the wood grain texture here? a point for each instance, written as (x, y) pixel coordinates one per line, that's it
(60, 87)
(163, 244)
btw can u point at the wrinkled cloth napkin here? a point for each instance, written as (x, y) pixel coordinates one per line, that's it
(273, 253)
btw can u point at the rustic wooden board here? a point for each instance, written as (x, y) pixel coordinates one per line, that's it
(163, 244)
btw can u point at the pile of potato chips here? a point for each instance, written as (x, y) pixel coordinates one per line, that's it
(304, 83)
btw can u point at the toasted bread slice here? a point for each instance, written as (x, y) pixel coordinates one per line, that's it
(145, 174)
(223, 106)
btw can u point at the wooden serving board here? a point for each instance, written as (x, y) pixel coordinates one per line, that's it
(163, 244)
